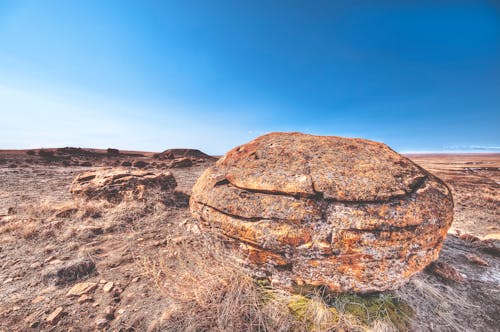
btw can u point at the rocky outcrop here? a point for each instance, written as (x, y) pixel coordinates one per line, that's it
(181, 162)
(350, 214)
(118, 184)
(186, 153)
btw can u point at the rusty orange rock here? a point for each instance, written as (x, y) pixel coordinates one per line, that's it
(350, 214)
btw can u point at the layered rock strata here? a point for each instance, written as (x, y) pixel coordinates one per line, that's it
(350, 214)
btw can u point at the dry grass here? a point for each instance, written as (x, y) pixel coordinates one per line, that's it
(209, 289)
(446, 304)
(204, 286)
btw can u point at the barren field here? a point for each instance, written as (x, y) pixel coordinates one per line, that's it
(147, 266)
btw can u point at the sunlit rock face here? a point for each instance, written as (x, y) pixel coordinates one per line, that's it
(349, 214)
(117, 184)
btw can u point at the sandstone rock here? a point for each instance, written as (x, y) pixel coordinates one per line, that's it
(492, 236)
(81, 288)
(350, 214)
(108, 287)
(54, 317)
(446, 271)
(116, 185)
(84, 298)
(38, 299)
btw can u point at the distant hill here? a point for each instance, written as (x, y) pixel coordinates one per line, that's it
(190, 153)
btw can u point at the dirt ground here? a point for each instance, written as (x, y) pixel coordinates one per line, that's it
(135, 257)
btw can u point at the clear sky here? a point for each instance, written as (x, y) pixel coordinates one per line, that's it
(151, 75)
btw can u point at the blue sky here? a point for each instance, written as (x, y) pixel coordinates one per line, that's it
(151, 75)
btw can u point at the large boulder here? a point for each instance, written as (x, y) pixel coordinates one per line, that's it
(118, 184)
(350, 214)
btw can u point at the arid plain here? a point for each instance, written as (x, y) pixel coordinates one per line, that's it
(144, 265)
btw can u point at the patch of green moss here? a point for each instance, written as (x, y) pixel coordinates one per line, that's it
(313, 314)
(367, 309)
(312, 305)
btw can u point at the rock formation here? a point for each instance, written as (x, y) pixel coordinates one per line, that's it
(115, 185)
(186, 153)
(350, 214)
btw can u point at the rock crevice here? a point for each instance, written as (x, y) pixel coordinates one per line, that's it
(350, 214)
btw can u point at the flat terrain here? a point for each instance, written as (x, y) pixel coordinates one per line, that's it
(475, 182)
(150, 267)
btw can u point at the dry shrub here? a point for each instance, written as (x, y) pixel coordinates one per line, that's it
(445, 304)
(210, 289)
(28, 230)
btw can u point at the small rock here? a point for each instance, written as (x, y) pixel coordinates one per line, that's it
(101, 323)
(109, 313)
(182, 162)
(193, 228)
(490, 246)
(33, 320)
(55, 262)
(494, 236)
(6, 281)
(50, 258)
(136, 279)
(108, 287)
(102, 281)
(169, 312)
(446, 271)
(121, 311)
(35, 265)
(81, 288)
(84, 298)
(476, 260)
(38, 299)
(54, 317)
(48, 290)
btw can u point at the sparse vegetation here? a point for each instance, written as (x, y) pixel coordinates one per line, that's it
(200, 276)
(170, 274)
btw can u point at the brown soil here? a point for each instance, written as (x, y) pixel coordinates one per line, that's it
(475, 182)
(168, 275)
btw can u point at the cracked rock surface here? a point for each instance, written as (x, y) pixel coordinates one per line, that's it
(118, 184)
(350, 214)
